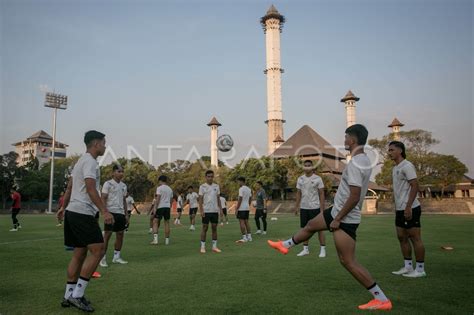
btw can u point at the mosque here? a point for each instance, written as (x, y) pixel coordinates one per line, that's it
(306, 142)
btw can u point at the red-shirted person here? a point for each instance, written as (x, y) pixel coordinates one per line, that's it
(60, 205)
(16, 205)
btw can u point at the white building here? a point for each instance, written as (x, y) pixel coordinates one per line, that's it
(38, 145)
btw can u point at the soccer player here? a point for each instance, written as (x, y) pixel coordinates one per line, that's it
(131, 205)
(113, 196)
(261, 208)
(81, 229)
(344, 217)
(309, 201)
(243, 210)
(179, 208)
(151, 215)
(224, 210)
(16, 206)
(408, 212)
(164, 195)
(209, 207)
(60, 205)
(192, 199)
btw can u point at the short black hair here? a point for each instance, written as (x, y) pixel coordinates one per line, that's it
(209, 172)
(241, 179)
(92, 135)
(163, 178)
(117, 167)
(360, 132)
(308, 161)
(190, 187)
(259, 182)
(399, 145)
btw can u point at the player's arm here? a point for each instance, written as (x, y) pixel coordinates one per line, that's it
(322, 199)
(239, 202)
(351, 202)
(411, 197)
(95, 198)
(151, 206)
(298, 201)
(157, 202)
(67, 197)
(201, 209)
(219, 204)
(125, 209)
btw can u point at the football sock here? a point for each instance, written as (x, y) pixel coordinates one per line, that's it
(289, 243)
(80, 287)
(377, 292)
(420, 266)
(69, 289)
(408, 263)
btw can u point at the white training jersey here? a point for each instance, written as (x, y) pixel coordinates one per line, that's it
(402, 174)
(166, 195)
(223, 203)
(309, 187)
(115, 191)
(357, 173)
(246, 194)
(130, 203)
(180, 202)
(80, 202)
(193, 199)
(209, 193)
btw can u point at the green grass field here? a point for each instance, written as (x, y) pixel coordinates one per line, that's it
(247, 279)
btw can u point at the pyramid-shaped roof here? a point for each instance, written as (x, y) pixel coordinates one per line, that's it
(272, 10)
(214, 122)
(395, 123)
(43, 135)
(307, 142)
(350, 97)
(40, 136)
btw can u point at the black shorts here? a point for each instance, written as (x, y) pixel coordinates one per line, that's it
(259, 213)
(119, 225)
(193, 211)
(15, 211)
(179, 209)
(81, 230)
(163, 213)
(243, 215)
(210, 217)
(97, 215)
(414, 222)
(307, 215)
(349, 228)
(224, 211)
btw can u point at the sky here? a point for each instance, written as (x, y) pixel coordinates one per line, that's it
(153, 73)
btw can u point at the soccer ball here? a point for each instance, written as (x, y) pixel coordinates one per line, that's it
(224, 143)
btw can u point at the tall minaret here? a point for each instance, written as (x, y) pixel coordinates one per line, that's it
(350, 99)
(214, 124)
(395, 125)
(272, 24)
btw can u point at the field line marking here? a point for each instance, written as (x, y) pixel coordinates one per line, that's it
(37, 240)
(276, 209)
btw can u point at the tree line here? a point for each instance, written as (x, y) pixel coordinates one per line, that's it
(278, 176)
